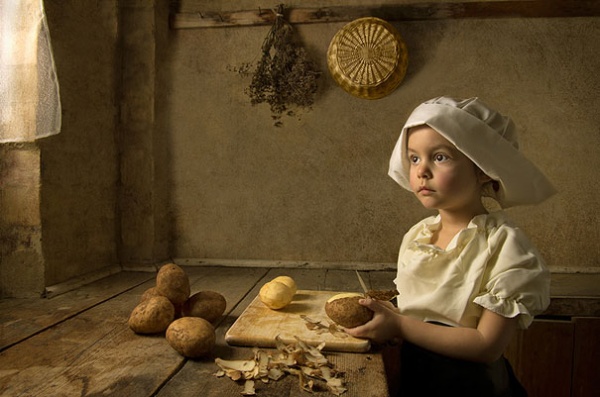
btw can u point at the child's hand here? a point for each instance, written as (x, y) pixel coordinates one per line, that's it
(383, 327)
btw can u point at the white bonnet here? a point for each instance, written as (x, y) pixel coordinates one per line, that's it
(488, 138)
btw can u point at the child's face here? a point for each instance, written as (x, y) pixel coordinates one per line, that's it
(441, 176)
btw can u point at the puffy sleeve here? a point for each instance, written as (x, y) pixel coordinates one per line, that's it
(516, 281)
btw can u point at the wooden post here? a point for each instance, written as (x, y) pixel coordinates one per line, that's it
(136, 133)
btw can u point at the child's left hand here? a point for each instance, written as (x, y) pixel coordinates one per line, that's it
(383, 327)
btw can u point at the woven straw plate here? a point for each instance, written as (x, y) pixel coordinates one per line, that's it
(367, 58)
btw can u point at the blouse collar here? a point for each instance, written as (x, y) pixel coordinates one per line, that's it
(479, 224)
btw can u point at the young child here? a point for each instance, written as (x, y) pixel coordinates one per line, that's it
(467, 278)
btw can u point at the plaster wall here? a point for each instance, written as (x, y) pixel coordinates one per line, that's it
(212, 177)
(316, 188)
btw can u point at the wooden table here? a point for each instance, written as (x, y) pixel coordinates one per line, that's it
(78, 343)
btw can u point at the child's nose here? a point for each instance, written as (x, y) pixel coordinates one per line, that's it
(423, 171)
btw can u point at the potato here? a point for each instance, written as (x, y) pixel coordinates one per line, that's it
(150, 292)
(345, 310)
(209, 305)
(191, 336)
(152, 316)
(276, 295)
(287, 280)
(153, 292)
(173, 282)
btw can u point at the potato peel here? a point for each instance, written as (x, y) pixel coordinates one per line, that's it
(249, 388)
(382, 295)
(320, 328)
(299, 359)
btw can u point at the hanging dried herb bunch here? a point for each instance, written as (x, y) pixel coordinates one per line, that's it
(285, 76)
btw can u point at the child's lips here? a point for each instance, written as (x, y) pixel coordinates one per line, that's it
(425, 190)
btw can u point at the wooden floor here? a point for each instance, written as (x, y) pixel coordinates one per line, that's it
(78, 343)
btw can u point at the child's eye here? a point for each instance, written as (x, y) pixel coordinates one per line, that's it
(413, 159)
(440, 157)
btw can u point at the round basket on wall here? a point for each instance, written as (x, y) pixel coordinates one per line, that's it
(367, 58)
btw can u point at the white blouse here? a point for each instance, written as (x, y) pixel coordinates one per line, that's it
(490, 264)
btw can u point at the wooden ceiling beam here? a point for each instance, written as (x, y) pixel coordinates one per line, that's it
(400, 12)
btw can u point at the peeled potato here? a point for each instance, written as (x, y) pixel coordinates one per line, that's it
(276, 295)
(191, 336)
(287, 280)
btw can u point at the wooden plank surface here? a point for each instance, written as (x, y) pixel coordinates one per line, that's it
(543, 359)
(586, 372)
(260, 326)
(95, 353)
(195, 17)
(575, 284)
(78, 343)
(22, 318)
(365, 373)
(574, 307)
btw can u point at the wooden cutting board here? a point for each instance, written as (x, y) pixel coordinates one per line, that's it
(258, 325)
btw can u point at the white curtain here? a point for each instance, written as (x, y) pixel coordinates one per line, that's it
(29, 93)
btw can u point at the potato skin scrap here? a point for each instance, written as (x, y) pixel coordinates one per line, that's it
(174, 283)
(209, 305)
(191, 337)
(383, 295)
(152, 316)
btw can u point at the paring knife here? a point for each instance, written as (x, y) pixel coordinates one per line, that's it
(362, 283)
(381, 295)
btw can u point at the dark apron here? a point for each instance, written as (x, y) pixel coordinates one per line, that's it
(424, 373)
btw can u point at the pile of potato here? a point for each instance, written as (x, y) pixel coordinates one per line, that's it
(186, 320)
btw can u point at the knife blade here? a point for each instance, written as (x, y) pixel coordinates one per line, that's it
(362, 283)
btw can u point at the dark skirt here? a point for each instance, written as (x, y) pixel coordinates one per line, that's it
(424, 373)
